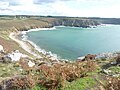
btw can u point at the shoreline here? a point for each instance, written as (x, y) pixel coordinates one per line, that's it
(37, 29)
(22, 44)
(30, 46)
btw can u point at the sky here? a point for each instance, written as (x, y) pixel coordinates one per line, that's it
(74, 8)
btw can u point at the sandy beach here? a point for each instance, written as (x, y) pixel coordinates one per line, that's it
(29, 46)
(23, 44)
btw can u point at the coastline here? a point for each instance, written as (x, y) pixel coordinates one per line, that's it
(37, 29)
(22, 44)
(30, 46)
(35, 50)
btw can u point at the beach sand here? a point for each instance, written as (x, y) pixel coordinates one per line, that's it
(24, 44)
(29, 46)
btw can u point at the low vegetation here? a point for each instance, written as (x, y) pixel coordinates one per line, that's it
(113, 83)
(78, 75)
(80, 84)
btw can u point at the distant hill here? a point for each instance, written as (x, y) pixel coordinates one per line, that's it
(24, 22)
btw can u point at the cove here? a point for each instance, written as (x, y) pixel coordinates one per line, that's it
(73, 42)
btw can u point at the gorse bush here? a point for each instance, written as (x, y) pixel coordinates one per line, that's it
(53, 77)
(18, 83)
(49, 77)
(113, 84)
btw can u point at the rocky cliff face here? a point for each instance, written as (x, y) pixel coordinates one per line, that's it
(115, 21)
(75, 22)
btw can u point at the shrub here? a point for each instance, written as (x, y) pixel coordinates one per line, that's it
(55, 76)
(113, 84)
(18, 83)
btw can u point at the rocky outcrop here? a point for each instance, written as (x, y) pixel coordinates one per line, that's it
(118, 59)
(1, 48)
(115, 21)
(85, 23)
(89, 57)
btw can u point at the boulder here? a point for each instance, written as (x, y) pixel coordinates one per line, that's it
(31, 64)
(118, 59)
(80, 58)
(1, 48)
(107, 71)
(16, 55)
(90, 57)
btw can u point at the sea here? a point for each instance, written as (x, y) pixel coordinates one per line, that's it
(73, 42)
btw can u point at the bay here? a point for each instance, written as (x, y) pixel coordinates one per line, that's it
(73, 42)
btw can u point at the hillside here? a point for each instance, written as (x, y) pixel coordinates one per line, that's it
(43, 22)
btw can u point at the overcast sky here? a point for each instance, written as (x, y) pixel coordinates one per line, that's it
(80, 8)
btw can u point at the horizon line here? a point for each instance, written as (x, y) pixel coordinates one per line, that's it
(56, 16)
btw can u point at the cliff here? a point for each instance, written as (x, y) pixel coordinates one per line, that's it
(115, 21)
(84, 23)
(44, 22)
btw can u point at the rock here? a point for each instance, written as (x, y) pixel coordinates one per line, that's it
(81, 58)
(4, 69)
(106, 55)
(42, 62)
(21, 69)
(90, 57)
(113, 63)
(107, 71)
(31, 64)
(75, 22)
(118, 59)
(15, 56)
(6, 60)
(1, 48)
(116, 75)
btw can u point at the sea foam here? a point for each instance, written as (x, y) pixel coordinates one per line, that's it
(43, 51)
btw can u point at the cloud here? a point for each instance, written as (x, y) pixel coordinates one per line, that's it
(16, 2)
(48, 1)
(29, 7)
(43, 1)
(82, 8)
(3, 5)
(11, 2)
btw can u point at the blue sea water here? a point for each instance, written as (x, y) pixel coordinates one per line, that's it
(72, 42)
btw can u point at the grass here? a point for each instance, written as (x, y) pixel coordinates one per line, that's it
(80, 84)
(7, 70)
(38, 87)
(95, 72)
(4, 34)
(115, 69)
(10, 45)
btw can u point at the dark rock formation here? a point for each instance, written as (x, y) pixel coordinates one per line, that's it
(90, 57)
(118, 59)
